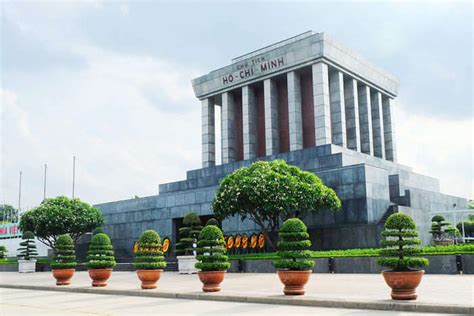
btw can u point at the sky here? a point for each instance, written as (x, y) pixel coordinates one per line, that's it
(109, 83)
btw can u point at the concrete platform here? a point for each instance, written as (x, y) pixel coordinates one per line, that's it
(437, 293)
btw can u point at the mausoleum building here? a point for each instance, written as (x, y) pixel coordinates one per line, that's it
(317, 105)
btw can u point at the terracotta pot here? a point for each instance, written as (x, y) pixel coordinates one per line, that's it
(99, 276)
(63, 276)
(211, 280)
(149, 278)
(294, 281)
(403, 283)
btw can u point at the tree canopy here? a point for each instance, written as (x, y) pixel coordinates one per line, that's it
(270, 192)
(58, 216)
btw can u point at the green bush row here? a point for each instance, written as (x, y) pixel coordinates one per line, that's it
(368, 252)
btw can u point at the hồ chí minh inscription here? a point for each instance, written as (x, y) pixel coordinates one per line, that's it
(255, 67)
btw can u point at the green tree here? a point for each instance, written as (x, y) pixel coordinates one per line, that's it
(188, 234)
(149, 254)
(401, 244)
(27, 248)
(3, 252)
(211, 250)
(58, 216)
(270, 192)
(212, 221)
(8, 214)
(438, 224)
(293, 247)
(64, 253)
(101, 252)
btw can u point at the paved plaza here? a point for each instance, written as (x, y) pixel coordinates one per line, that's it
(437, 293)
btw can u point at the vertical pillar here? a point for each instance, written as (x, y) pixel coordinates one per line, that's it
(208, 133)
(351, 98)
(228, 128)
(322, 108)
(365, 120)
(389, 130)
(271, 117)
(295, 121)
(249, 118)
(338, 114)
(377, 124)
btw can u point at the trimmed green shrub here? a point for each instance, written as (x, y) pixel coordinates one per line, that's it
(188, 234)
(3, 252)
(64, 253)
(211, 250)
(98, 230)
(101, 253)
(468, 227)
(149, 255)
(437, 227)
(400, 239)
(213, 221)
(27, 248)
(293, 246)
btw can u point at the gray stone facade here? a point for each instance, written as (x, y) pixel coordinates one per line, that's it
(370, 189)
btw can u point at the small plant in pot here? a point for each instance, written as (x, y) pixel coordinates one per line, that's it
(185, 248)
(64, 261)
(213, 263)
(401, 253)
(150, 260)
(294, 266)
(100, 259)
(27, 253)
(438, 231)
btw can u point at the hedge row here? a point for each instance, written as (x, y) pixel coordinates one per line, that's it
(368, 252)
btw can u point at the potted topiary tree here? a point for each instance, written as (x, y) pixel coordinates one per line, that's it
(401, 243)
(150, 260)
(440, 237)
(213, 263)
(185, 248)
(100, 259)
(64, 261)
(3, 252)
(27, 253)
(294, 268)
(212, 221)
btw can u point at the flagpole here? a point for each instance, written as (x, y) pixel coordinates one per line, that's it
(44, 184)
(73, 173)
(19, 194)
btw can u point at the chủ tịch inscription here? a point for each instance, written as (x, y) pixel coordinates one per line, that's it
(248, 69)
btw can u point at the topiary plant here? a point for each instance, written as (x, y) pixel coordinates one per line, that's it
(97, 230)
(212, 221)
(149, 254)
(101, 253)
(211, 250)
(64, 253)
(3, 252)
(401, 243)
(27, 248)
(188, 234)
(293, 246)
(437, 227)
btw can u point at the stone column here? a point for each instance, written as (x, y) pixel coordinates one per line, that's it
(351, 98)
(271, 117)
(389, 129)
(249, 119)
(338, 114)
(365, 120)
(208, 133)
(377, 124)
(322, 108)
(228, 128)
(295, 120)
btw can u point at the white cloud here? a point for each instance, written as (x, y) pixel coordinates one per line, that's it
(124, 144)
(437, 147)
